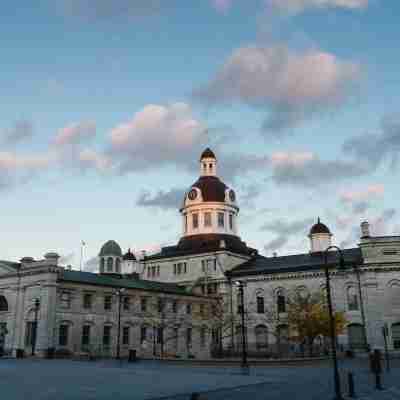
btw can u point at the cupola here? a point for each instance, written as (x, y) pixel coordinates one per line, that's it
(208, 163)
(320, 237)
(110, 257)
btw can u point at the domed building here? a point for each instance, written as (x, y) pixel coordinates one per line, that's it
(110, 257)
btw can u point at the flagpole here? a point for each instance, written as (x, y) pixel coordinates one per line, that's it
(80, 264)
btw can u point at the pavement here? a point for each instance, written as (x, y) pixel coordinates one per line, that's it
(155, 380)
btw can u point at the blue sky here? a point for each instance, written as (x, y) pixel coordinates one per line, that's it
(104, 114)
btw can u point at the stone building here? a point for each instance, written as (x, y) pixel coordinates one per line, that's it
(51, 307)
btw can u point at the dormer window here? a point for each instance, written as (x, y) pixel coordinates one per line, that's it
(207, 219)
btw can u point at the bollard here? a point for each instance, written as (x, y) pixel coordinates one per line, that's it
(350, 377)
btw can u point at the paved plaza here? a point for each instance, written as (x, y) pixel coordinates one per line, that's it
(101, 380)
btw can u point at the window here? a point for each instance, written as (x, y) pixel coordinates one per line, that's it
(184, 268)
(87, 300)
(201, 310)
(110, 264)
(175, 269)
(126, 303)
(85, 335)
(281, 302)
(160, 334)
(107, 302)
(195, 220)
(153, 271)
(102, 263)
(158, 270)
(188, 336)
(396, 335)
(186, 223)
(148, 272)
(188, 308)
(179, 268)
(214, 261)
(125, 335)
(143, 304)
(63, 335)
(352, 299)
(106, 335)
(175, 306)
(260, 305)
(118, 266)
(221, 221)
(160, 305)
(143, 334)
(239, 303)
(65, 300)
(202, 336)
(261, 333)
(207, 219)
(231, 222)
(203, 265)
(210, 166)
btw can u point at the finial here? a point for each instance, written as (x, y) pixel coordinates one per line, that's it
(319, 220)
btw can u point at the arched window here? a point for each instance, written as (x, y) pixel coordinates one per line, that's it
(355, 334)
(261, 333)
(102, 264)
(352, 299)
(3, 304)
(118, 266)
(110, 264)
(281, 301)
(396, 335)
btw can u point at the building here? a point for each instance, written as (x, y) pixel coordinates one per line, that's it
(194, 275)
(45, 307)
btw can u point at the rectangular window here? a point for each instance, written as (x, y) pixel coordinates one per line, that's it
(281, 304)
(174, 269)
(195, 220)
(203, 265)
(148, 272)
(260, 305)
(107, 335)
(184, 268)
(107, 302)
(188, 336)
(188, 308)
(143, 304)
(143, 334)
(87, 300)
(174, 306)
(160, 305)
(126, 303)
(125, 335)
(215, 264)
(153, 271)
(207, 219)
(201, 310)
(65, 300)
(231, 222)
(63, 335)
(221, 220)
(160, 334)
(158, 270)
(85, 335)
(203, 336)
(179, 268)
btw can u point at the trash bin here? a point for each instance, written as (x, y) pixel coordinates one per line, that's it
(19, 353)
(132, 356)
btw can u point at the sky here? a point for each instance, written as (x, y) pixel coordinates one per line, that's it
(106, 106)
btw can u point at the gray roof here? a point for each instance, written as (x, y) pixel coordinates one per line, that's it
(91, 278)
(111, 248)
(260, 265)
(10, 264)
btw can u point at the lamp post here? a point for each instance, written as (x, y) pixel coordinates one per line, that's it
(36, 303)
(332, 324)
(357, 272)
(119, 293)
(240, 286)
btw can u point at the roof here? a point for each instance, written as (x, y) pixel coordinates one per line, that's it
(212, 188)
(129, 256)
(297, 262)
(91, 278)
(207, 153)
(111, 248)
(204, 243)
(319, 227)
(10, 264)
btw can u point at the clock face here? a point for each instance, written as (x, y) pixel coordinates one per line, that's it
(232, 195)
(192, 194)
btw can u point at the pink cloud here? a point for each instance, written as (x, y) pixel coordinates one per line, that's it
(371, 191)
(75, 133)
(297, 6)
(222, 5)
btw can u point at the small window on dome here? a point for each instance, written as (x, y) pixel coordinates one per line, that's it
(207, 219)
(231, 222)
(110, 263)
(221, 219)
(195, 220)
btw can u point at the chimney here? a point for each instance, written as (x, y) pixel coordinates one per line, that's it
(27, 261)
(365, 233)
(51, 258)
(275, 254)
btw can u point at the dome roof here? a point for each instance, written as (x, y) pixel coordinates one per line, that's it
(129, 256)
(212, 188)
(207, 153)
(111, 248)
(319, 227)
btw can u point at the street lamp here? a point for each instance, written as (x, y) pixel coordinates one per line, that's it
(119, 292)
(240, 286)
(332, 319)
(36, 303)
(358, 272)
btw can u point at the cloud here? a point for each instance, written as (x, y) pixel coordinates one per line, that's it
(361, 200)
(75, 133)
(289, 86)
(297, 6)
(92, 265)
(307, 169)
(95, 10)
(164, 200)
(66, 259)
(90, 159)
(156, 136)
(373, 149)
(276, 244)
(21, 131)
